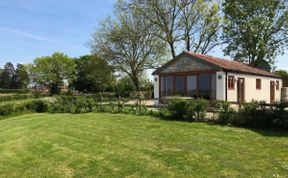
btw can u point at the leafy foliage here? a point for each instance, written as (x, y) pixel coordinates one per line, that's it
(127, 43)
(93, 75)
(33, 105)
(255, 30)
(53, 71)
(192, 24)
(189, 110)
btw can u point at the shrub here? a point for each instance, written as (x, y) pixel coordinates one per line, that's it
(10, 108)
(226, 112)
(177, 108)
(196, 109)
(37, 106)
(13, 90)
(189, 110)
(72, 104)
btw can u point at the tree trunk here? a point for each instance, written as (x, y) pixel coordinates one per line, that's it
(54, 89)
(171, 45)
(138, 89)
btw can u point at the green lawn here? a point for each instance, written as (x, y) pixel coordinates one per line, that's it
(107, 145)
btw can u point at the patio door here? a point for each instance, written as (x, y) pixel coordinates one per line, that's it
(240, 90)
(272, 92)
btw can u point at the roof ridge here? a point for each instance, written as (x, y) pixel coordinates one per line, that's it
(210, 59)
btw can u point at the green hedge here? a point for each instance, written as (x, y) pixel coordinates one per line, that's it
(256, 115)
(10, 108)
(190, 110)
(13, 90)
(251, 115)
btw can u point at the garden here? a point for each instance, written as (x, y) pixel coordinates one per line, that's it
(119, 145)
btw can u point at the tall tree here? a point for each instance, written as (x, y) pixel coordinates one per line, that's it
(163, 15)
(53, 71)
(191, 24)
(128, 44)
(7, 74)
(282, 73)
(255, 30)
(93, 74)
(199, 25)
(1, 73)
(21, 78)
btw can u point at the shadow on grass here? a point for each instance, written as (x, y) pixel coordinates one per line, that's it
(271, 133)
(264, 132)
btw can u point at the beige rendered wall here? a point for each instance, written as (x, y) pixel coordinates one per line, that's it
(156, 89)
(251, 93)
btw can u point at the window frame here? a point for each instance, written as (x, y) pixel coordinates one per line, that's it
(230, 82)
(163, 89)
(258, 85)
(277, 85)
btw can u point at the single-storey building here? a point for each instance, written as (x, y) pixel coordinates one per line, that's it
(202, 76)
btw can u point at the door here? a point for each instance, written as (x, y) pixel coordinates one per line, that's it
(272, 92)
(241, 90)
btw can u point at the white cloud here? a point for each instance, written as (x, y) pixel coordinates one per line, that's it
(36, 37)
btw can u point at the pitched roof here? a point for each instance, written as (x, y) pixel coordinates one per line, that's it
(228, 65)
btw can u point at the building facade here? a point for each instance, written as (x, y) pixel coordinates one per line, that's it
(201, 76)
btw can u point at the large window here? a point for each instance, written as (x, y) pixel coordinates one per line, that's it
(192, 86)
(180, 85)
(198, 85)
(204, 86)
(213, 87)
(162, 86)
(169, 85)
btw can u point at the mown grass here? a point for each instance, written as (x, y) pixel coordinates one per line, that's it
(117, 145)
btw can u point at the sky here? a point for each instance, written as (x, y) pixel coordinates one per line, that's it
(35, 28)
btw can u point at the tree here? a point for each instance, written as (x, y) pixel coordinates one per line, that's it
(282, 73)
(93, 74)
(124, 87)
(53, 71)
(20, 79)
(192, 24)
(7, 74)
(163, 15)
(200, 24)
(128, 44)
(255, 30)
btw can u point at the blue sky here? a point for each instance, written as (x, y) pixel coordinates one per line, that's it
(33, 28)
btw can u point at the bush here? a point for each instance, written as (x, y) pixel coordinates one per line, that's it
(13, 90)
(72, 104)
(177, 108)
(196, 109)
(37, 106)
(257, 115)
(188, 110)
(10, 108)
(226, 112)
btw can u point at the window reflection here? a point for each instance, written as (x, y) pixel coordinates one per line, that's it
(192, 86)
(196, 86)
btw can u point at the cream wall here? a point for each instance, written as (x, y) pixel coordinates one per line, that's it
(251, 93)
(250, 88)
(156, 89)
(220, 85)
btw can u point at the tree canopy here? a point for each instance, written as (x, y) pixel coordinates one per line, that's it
(255, 30)
(127, 43)
(53, 71)
(194, 25)
(93, 74)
